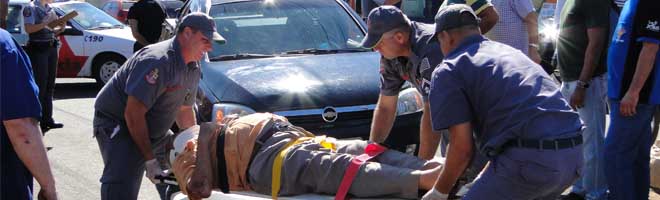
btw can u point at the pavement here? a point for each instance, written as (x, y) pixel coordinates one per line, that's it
(74, 154)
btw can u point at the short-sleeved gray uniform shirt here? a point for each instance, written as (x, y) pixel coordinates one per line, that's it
(158, 77)
(34, 13)
(416, 69)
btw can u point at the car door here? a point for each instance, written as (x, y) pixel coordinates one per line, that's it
(15, 24)
(71, 50)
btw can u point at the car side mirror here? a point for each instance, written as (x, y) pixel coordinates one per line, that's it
(69, 30)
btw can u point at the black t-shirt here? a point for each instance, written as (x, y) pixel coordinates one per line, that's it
(150, 16)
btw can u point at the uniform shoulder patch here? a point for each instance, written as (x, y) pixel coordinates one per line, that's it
(152, 76)
(27, 12)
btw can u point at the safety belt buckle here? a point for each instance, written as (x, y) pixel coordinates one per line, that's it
(556, 145)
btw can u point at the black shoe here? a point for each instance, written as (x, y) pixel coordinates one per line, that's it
(54, 124)
(44, 129)
(572, 196)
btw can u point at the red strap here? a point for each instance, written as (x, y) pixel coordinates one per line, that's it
(372, 150)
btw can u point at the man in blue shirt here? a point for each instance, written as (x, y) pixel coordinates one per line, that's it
(22, 152)
(519, 118)
(633, 90)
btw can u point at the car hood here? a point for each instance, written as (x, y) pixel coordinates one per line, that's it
(293, 83)
(118, 33)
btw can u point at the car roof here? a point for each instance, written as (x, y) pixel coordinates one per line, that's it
(19, 2)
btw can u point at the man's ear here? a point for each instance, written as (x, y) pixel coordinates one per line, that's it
(400, 37)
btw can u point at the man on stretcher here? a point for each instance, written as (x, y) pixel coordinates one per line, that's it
(263, 152)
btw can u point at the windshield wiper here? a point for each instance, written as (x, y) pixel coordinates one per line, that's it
(240, 56)
(100, 28)
(326, 51)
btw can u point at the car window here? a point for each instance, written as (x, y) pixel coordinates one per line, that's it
(171, 6)
(90, 17)
(13, 19)
(275, 27)
(126, 5)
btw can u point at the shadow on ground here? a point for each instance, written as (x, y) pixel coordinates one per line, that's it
(76, 90)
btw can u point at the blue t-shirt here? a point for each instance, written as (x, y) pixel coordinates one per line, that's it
(18, 99)
(502, 92)
(638, 23)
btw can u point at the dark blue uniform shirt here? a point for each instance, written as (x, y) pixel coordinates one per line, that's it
(639, 22)
(502, 92)
(18, 99)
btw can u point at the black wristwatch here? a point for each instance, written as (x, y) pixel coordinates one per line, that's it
(582, 84)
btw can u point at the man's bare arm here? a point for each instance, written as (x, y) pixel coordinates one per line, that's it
(428, 139)
(489, 18)
(134, 29)
(383, 119)
(135, 115)
(531, 20)
(25, 136)
(459, 154)
(186, 117)
(644, 66)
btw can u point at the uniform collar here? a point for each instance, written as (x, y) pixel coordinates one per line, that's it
(467, 42)
(175, 48)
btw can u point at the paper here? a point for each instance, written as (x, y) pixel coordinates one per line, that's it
(63, 19)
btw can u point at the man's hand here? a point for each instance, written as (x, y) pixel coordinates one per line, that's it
(153, 170)
(46, 194)
(198, 186)
(577, 99)
(628, 105)
(434, 194)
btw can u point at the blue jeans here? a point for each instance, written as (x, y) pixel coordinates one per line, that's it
(627, 149)
(592, 184)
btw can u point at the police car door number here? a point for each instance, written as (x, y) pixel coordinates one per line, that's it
(93, 38)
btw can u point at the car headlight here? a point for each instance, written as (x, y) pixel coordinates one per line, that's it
(221, 110)
(410, 101)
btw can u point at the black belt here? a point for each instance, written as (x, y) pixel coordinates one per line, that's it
(223, 180)
(46, 43)
(555, 144)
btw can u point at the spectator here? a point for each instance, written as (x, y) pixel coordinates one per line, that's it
(146, 19)
(633, 70)
(22, 152)
(3, 13)
(368, 5)
(484, 10)
(584, 26)
(518, 27)
(42, 48)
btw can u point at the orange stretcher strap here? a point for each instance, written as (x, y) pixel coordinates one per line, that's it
(372, 150)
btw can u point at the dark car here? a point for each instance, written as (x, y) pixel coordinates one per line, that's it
(300, 59)
(171, 7)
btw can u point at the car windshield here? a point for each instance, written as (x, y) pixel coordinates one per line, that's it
(13, 15)
(283, 27)
(171, 6)
(90, 17)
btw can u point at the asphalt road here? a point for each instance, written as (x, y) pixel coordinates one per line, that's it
(74, 154)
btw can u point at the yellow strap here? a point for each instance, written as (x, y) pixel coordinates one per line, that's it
(277, 165)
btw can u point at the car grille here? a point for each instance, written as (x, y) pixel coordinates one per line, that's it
(346, 117)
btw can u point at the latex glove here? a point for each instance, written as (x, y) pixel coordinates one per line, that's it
(153, 170)
(434, 194)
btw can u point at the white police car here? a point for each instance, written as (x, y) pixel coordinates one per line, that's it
(93, 45)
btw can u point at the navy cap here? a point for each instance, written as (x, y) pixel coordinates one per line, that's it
(455, 16)
(381, 20)
(204, 23)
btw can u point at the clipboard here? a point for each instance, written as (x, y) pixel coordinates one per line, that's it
(63, 19)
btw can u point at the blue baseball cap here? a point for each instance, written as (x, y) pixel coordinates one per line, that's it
(381, 20)
(455, 16)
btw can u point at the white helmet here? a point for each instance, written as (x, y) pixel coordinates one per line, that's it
(181, 140)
